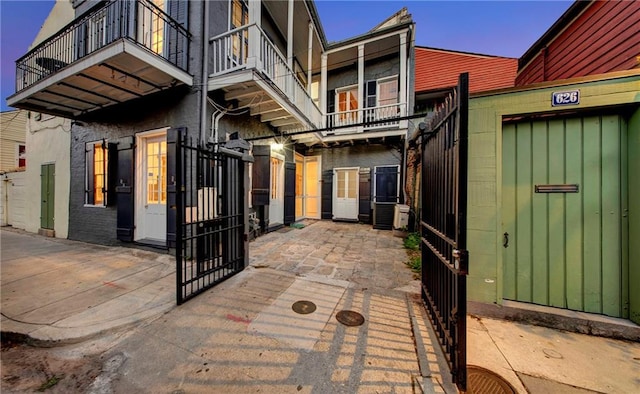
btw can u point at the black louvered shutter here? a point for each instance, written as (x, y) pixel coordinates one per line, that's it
(89, 173)
(178, 43)
(327, 194)
(289, 193)
(124, 190)
(173, 135)
(112, 174)
(364, 202)
(370, 100)
(331, 106)
(261, 178)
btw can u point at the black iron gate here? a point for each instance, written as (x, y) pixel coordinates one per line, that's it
(206, 199)
(443, 226)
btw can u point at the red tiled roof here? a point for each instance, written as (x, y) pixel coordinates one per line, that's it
(438, 69)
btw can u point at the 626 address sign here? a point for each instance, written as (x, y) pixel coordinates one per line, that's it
(571, 97)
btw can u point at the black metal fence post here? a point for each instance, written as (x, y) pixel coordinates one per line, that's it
(443, 226)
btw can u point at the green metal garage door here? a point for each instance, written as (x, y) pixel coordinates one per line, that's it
(566, 249)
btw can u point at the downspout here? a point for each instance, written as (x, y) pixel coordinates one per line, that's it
(205, 74)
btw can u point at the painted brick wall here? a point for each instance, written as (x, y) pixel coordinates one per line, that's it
(360, 156)
(349, 76)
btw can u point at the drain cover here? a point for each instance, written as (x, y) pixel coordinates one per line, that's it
(350, 318)
(303, 307)
(481, 381)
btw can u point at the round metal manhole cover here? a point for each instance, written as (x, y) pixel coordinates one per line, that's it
(483, 381)
(303, 307)
(350, 318)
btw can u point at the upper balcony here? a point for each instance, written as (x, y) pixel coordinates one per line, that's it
(118, 52)
(268, 65)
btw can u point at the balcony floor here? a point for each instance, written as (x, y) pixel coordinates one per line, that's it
(249, 90)
(119, 72)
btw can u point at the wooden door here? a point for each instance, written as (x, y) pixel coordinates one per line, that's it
(568, 248)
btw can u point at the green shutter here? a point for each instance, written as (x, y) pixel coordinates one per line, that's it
(47, 189)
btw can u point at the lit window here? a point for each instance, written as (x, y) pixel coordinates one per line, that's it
(388, 92)
(157, 29)
(239, 18)
(97, 157)
(315, 92)
(347, 99)
(22, 155)
(156, 172)
(275, 176)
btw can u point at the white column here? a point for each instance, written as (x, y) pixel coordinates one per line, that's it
(290, 35)
(360, 83)
(310, 58)
(402, 90)
(323, 89)
(253, 58)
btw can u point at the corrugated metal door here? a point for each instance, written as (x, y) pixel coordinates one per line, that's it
(566, 249)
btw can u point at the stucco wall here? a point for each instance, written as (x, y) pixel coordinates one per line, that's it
(49, 140)
(61, 14)
(484, 238)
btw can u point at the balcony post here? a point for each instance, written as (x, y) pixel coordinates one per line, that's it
(253, 57)
(323, 88)
(403, 73)
(310, 59)
(361, 97)
(289, 85)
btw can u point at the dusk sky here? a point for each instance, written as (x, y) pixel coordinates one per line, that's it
(503, 28)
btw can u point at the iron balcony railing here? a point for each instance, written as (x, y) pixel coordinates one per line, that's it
(365, 119)
(235, 50)
(139, 20)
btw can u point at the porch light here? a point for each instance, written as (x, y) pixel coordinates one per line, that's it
(277, 146)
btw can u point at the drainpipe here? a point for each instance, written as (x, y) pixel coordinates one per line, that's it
(205, 73)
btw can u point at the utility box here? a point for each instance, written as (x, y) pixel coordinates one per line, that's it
(400, 216)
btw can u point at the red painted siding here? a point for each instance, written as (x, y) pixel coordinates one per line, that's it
(603, 38)
(438, 69)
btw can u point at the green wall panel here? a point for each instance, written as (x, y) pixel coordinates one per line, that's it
(573, 214)
(521, 239)
(633, 215)
(556, 219)
(508, 208)
(591, 217)
(611, 216)
(540, 214)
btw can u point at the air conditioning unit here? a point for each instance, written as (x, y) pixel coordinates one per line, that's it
(400, 216)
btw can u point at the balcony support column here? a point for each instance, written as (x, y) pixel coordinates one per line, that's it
(402, 91)
(361, 97)
(310, 59)
(290, 35)
(323, 88)
(253, 57)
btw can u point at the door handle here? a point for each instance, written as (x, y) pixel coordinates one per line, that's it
(505, 240)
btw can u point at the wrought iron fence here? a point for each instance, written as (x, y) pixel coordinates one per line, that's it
(206, 191)
(140, 21)
(444, 225)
